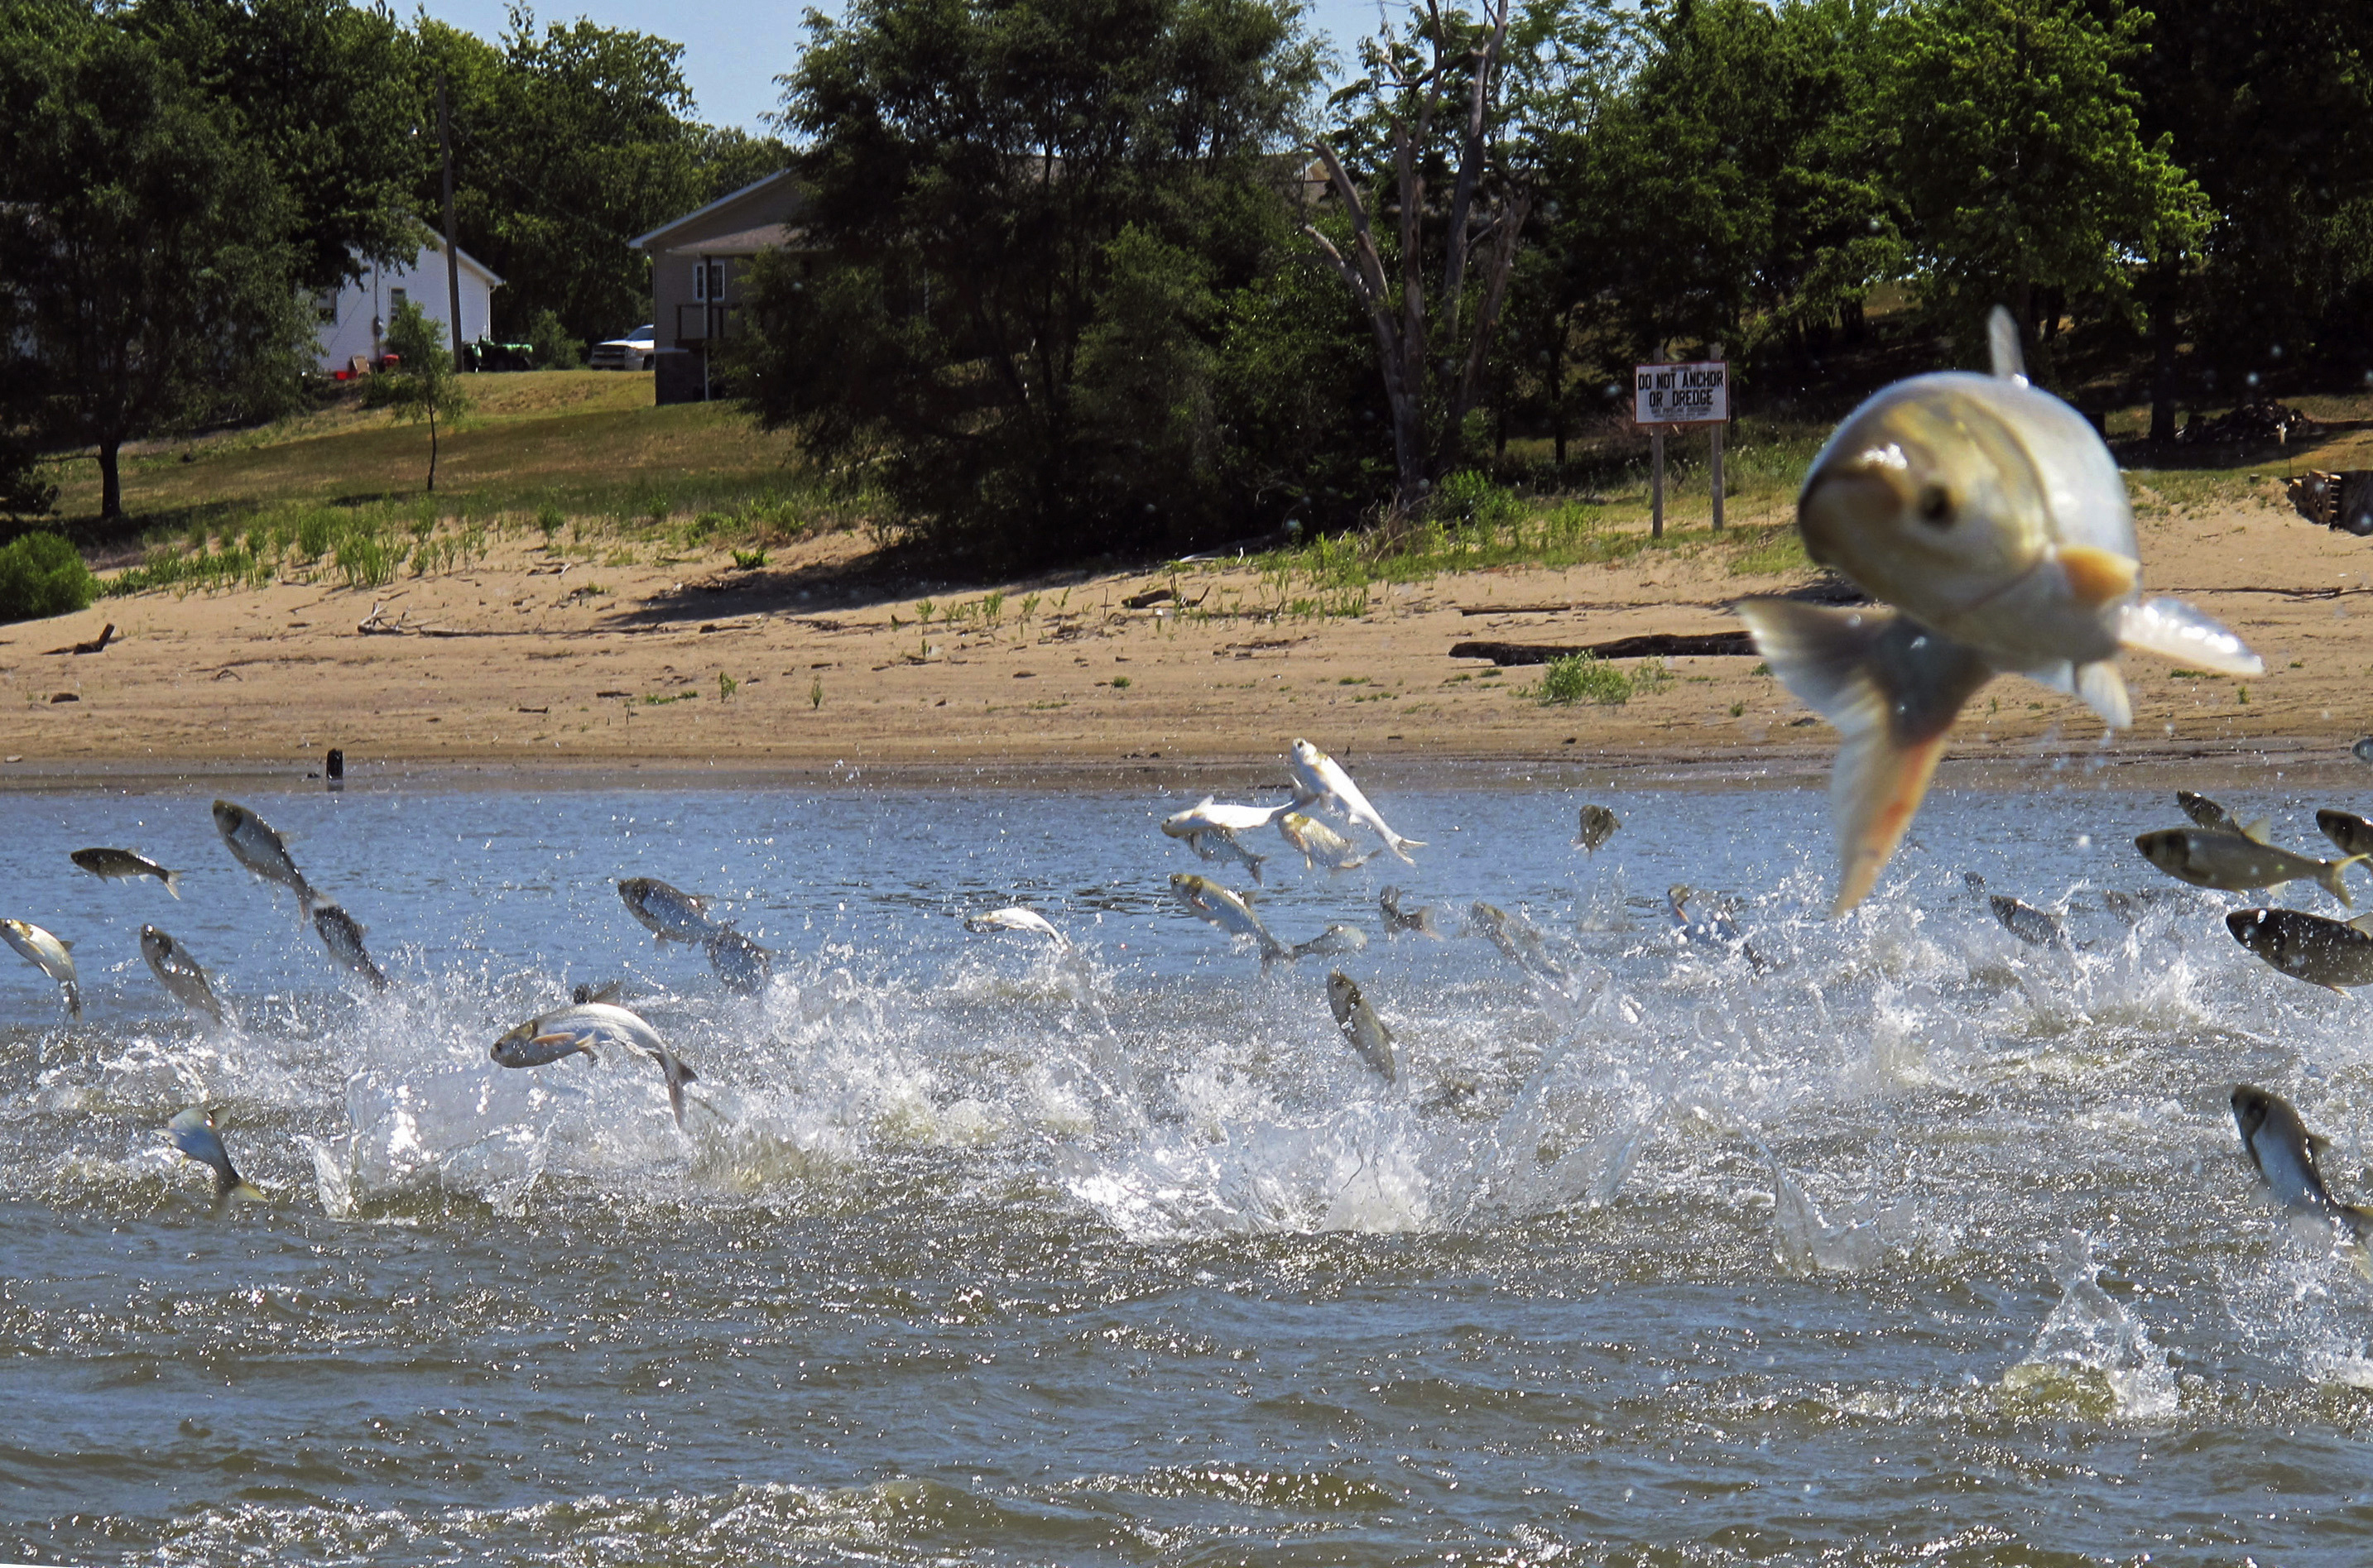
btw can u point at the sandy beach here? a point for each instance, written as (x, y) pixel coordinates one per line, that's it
(527, 659)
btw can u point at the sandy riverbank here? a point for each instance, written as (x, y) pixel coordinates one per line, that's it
(516, 663)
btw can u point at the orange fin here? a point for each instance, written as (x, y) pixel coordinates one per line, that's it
(2100, 577)
(1893, 689)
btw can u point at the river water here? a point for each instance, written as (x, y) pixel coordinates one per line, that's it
(1914, 1245)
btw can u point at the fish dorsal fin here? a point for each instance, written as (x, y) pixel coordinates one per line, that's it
(2256, 831)
(2362, 925)
(66, 944)
(2002, 343)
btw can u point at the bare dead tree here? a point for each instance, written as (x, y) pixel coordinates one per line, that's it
(1414, 335)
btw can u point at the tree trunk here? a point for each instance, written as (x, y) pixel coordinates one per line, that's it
(1557, 398)
(111, 481)
(2166, 287)
(432, 449)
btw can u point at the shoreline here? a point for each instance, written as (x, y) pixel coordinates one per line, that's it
(2294, 763)
(530, 662)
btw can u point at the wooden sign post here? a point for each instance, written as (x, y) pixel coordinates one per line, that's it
(1670, 397)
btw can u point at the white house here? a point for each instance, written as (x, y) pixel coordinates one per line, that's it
(355, 323)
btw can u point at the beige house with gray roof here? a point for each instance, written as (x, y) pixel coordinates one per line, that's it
(698, 264)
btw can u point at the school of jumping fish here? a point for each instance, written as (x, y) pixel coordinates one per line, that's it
(1984, 514)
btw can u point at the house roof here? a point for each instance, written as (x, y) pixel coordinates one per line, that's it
(743, 242)
(648, 241)
(433, 241)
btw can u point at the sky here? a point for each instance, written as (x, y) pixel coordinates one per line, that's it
(732, 53)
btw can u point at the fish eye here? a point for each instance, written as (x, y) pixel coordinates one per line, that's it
(1935, 505)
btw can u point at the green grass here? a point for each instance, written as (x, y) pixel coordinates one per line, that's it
(578, 456)
(354, 547)
(1581, 678)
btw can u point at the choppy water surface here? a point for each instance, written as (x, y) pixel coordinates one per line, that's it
(1917, 1246)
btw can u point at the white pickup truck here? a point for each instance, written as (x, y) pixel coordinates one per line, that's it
(632, 352)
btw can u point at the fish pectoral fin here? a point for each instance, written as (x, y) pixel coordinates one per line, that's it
(2001, 346)
(2172, 629)
(1893, 689)
(2104, 692)
(2097, 576)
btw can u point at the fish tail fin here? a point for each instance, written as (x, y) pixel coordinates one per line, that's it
(173, 883)
(239, 1189)
(74, 999)
(1255, 862)
(2329, 876)
(1893, 689)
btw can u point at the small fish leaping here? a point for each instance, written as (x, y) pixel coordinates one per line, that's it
(1361, 1028)
(262, 852)
(179, 973)
(576, 1029)
(46, 953)
(1990, 517)
(1319, 778)
(194, 1133)
(1210, 829)
(121, 864)
(1227, 910)
(1016, 918)
(2284, 1151)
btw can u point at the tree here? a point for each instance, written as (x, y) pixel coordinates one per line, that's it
(2269, 105)
(1024, 216)
(153, 281)
(2021, 162)
(423, 386)
(322, 91)
(1432, 337)
(569, 140)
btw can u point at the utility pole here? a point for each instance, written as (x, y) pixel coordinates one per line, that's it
(452, 256)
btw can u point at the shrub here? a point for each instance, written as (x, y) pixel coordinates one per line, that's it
(42, 576)
(1582, 677)
(1471, 500)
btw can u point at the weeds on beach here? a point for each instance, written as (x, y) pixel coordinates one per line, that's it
(1580, 678)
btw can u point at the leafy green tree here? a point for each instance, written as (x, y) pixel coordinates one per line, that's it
(1429, 138)
(2021, 162)
(570, 139)
(2269, 105)
(1023, 214)
(423, 386)
(322, 89)
(1732, 188)
(152, 282)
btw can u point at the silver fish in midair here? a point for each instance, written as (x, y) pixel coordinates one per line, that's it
(121, 864)
(179, 973)
(1990, 517)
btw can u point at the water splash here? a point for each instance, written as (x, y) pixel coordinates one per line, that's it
(2091, 1354)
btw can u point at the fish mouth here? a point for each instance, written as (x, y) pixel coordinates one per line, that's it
(1851, 499)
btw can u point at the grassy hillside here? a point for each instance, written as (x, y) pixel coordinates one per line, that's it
(588, 442)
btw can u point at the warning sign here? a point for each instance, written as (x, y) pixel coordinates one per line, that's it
(1681, 394)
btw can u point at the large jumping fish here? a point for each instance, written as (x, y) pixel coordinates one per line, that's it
(1990, 517)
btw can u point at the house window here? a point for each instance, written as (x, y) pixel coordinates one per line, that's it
(394, 300)
(708, 282)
